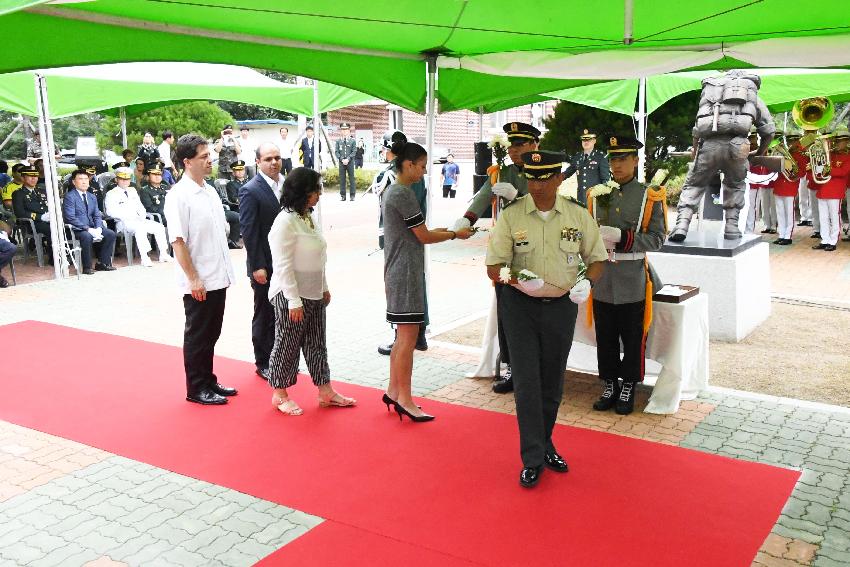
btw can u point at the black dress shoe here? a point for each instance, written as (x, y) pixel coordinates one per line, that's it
(555, 461)
(223, 390)
(233, 245)
(504, 384)
(261, 372)
(529, 476)
(820, 246)
(3, 282)
(421, 341)
(829, 247)
(342, 198)
(103, 268)
(626, 399)
(207, 398)
(88, 271)
(815, 235)
(609, 396)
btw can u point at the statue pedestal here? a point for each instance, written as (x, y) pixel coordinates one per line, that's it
(735, 274)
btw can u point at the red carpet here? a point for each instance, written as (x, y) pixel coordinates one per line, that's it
(437, 493)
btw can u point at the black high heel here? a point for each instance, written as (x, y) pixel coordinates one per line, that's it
(391, 402)
(415, 418)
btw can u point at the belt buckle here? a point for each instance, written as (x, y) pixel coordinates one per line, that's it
(545, 300)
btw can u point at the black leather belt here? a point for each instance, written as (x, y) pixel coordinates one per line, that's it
(542, 299)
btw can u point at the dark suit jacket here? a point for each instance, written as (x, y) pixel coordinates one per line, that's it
(75, 213)
(258, 208)
(309, 156)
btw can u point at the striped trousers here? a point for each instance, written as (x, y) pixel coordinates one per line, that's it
(291, 338)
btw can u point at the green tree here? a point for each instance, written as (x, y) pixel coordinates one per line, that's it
(669, 129)
(243, 111)
(200, 117)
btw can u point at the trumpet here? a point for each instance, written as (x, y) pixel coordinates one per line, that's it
(790, 169)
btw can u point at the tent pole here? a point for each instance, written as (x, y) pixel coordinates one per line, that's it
(480, 123)
(51, 182)
(640, 115)
(12, 133)
(430, 124)
(123, 112)
(317, 154)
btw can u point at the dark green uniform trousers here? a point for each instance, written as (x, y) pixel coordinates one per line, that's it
(540, 334)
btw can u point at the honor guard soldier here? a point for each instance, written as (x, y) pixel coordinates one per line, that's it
(590, 166)
(549, 235)
(345, 148)
(152, 195)
(512, 183)
(633, 222)
(235, 184)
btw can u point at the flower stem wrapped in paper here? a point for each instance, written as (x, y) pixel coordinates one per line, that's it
(526, 279)
(499, 144)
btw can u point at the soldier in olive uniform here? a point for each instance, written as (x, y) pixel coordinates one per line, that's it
(632, 222)
(235, 184)
(33, 200)
(590, 164)
(152, 195)
(345, 148)
(512, 184)
(549, 235)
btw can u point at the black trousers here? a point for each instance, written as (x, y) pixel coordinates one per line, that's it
(449, 191)
(107, 247)
(203, 327)
(504, 353)
(262, 325)
(613, 324)
(540, 334)
(286, 167)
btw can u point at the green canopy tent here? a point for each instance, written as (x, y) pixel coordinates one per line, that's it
(392, 49)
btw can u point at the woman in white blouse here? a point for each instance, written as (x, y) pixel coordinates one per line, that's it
(299, 293)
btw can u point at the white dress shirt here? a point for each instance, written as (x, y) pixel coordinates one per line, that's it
(165, 154)
(299, 255)
(285, 147)
(194, 213)
(277, 186)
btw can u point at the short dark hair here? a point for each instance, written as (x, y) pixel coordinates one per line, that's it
(309, 128)
(127, 152)
(140, 159)
(17, 167)
(187, 146)
(404, 151)
(297, 186)
(77, 172)
(167, 134)
(284, 128)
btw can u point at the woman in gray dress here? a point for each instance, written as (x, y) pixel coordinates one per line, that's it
(405, 236)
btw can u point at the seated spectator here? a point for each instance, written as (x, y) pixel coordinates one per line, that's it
(232, 217)
(13, 185)
(7, 251)
(123, 204)
(152, 195)
(4, 173)
(128, 156)
(30, 201)
(94, 186)
(139, 177)
(148, 152)
(235, 184)
(80, 210)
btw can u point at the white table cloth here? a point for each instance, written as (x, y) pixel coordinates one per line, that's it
(678, 341)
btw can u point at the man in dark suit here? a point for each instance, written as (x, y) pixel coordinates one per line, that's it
(308, 146)
(81, 211)
(259, 204)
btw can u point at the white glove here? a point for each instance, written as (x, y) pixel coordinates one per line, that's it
(45, 217)
(461, 223)
(610, 233)
(505, 190)
(580, 292)
(96, 233)
(531, 286)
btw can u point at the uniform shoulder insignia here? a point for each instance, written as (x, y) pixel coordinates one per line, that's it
(573, 200)
(515, 201)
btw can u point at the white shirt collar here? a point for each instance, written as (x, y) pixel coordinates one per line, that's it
(271, 182)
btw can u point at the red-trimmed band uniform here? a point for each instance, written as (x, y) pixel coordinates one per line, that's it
(761, 180)
(784, 192)
(829, 200)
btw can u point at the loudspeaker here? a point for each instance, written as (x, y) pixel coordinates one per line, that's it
(483, 158)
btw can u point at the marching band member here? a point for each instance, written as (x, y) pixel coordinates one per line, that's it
(760, 184)
(784, 191)
(830, 193)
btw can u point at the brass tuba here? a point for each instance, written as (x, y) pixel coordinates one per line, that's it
(790, 169)
(812, 114)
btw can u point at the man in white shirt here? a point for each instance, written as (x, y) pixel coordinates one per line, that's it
(123, 204)
(196, 227)
(165, 150)
(285, 146)
(246, 144)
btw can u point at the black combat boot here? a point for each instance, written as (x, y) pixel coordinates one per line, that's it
(626, 399)
(388, 348)
(504, 384)
(609, 396)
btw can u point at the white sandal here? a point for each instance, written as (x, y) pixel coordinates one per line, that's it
(287, 406)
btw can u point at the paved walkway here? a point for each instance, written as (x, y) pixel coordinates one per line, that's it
(62, 503)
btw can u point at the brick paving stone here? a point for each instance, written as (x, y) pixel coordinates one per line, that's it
(182, 557)
(59, 556)
(221, 545)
